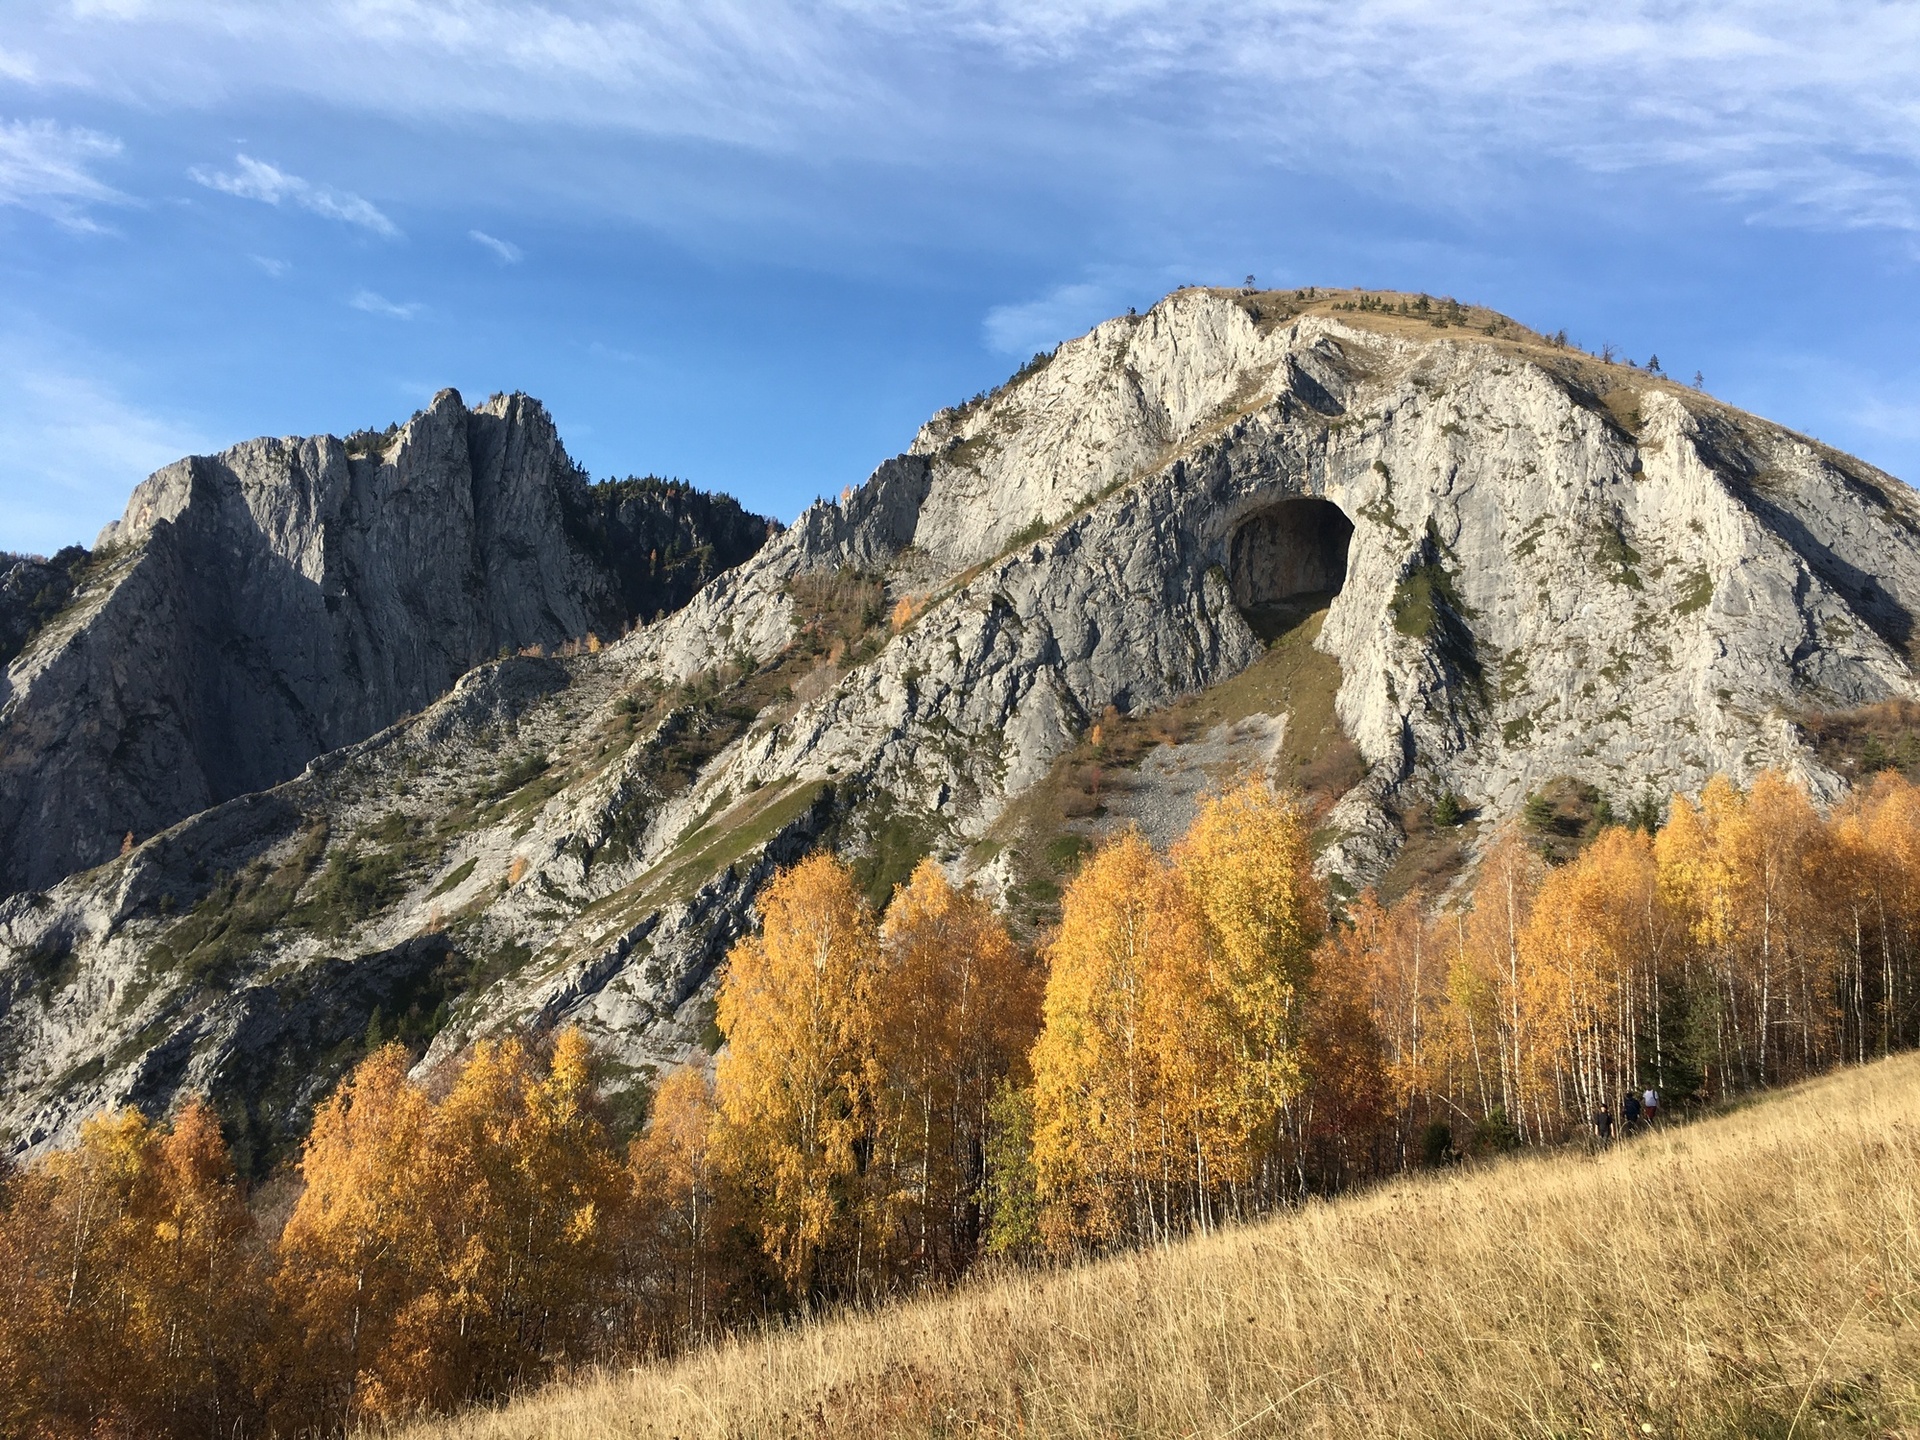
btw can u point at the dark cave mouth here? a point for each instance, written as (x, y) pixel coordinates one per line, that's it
(1287, 562)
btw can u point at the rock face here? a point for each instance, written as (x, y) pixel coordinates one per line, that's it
(1374, 548)
(260, 607)
(32, 591)
(1544, 566)
(662, 539)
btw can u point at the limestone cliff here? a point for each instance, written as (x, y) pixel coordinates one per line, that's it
(257, 608)
(1377, 548)
(32, 591)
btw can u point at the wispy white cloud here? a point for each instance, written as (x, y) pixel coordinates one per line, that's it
(1033, 325)
(1803, 114)
(273, 267)
(505, 250)
(1897, 417)
(72, 445)
(1781, 95)
(252, 179)
(375, 303)
(47, 168)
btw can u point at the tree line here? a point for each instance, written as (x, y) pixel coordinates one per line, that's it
(1203, 1037)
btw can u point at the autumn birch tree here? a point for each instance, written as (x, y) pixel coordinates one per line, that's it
(798, 1078)
(1246, 871)
(1095, 1133)
(956, 1011)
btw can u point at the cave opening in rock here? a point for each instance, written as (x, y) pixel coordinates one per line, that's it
(1288, 562)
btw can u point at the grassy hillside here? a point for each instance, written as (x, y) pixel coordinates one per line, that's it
(1754, 1274)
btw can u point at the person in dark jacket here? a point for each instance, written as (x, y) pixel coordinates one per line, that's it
(1603, 1124)
(1630, 1113)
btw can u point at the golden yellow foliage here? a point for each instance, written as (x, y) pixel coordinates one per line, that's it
(798, 1078)
(129, 1291)
(1097, 1139)
(1750, 1275)
(676, 1203)
(1247, 872)
(447, 1251)
(1208, 1047)
(956, 1009)
(1172, 1049)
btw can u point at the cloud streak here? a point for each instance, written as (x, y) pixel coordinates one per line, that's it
(74, 445)
(1774, 104)
(1029, 326)
(252, 179)
(504, 250)
(374, 303)
(47, 168)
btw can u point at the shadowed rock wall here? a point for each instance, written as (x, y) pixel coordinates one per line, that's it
(260, 607)
(1298, 547)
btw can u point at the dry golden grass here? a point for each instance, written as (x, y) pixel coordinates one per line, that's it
(1754, 1274)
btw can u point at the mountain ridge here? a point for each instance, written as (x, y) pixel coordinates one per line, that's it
(1383, 552)
(256, 608)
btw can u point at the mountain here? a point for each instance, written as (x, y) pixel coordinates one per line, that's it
(260, 607)
(1406, 555)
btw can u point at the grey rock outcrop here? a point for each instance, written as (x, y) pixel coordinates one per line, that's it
(257, 608)
(32, 591)
(1501, 562)
(1544, 567)
(1533, 585)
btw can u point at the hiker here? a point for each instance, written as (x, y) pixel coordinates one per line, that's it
(1630, 1113)
(1650, 1106)
(1603, 1124)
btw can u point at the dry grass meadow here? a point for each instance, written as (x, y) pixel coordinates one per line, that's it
(1757, 1273)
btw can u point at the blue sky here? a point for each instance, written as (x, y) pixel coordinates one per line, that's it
(755, 245)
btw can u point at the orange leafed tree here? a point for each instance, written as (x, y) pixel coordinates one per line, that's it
(799, 1077)
(359, 1245)
(1172, 1054)
(676, 1203)
(1391, 955)
(533, 1222)
(451, 1251)
(1507, 1054)
(1586, 967)
(1347, 1100)
(1870, 873)
(1247, 875)
(129, 1285)
(1095, 1128)
(1209, 1045)
(956, 1009)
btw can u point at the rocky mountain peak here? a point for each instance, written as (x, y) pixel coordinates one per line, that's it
(1382, 549)
(1531, 564)
(254, 609)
